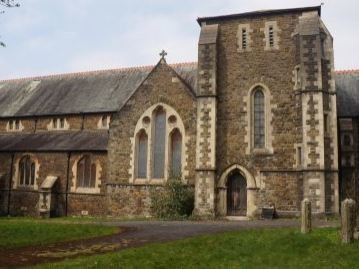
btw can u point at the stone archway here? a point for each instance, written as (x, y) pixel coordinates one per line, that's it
(251, 190)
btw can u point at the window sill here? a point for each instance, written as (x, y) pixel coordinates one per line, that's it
(140, 181)
(156, 181)
(87, 190)
(146, 181)
(262, 152)
(25, 188)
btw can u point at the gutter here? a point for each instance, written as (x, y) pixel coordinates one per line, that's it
(67, 182)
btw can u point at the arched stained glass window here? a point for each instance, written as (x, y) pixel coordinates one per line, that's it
(142, 155)
(26, 171)
(159, 143)
(176, 153)
(259, 119)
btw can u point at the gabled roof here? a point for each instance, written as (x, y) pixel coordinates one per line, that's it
(76, 93)
(347, 86)
(258, 14)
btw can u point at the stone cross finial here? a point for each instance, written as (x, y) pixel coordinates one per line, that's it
(163, 54)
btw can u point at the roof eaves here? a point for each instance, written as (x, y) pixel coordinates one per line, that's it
(258, 13)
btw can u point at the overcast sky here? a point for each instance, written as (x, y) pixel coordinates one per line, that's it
(58, 36)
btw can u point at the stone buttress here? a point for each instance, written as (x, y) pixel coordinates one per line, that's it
(319, 121)
(206, 121)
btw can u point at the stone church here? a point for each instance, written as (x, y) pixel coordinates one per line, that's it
(261, 120)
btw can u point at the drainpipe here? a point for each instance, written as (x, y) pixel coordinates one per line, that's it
(35, 127)
(67, 182)
(83, 122)
(9, 183)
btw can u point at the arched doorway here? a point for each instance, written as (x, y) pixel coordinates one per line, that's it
(236, 194)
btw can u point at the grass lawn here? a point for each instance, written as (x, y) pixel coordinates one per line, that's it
(284, 248)
(16, 232)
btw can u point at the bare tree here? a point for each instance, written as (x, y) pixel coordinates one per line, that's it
(8, 4)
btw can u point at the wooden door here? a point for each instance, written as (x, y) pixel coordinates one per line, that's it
(236, 195)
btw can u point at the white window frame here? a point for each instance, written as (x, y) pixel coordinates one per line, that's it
(16, 175)
(55, 124)
(11, 125)
(88, 190)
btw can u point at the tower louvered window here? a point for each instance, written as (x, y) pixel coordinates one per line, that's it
(271, 36)
(244, 38)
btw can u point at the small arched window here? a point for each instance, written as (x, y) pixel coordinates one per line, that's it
(258, 119)
(142, 155)
(104, 121)
(86, 173)
(26, 171)
(176, 153)
(159, 143)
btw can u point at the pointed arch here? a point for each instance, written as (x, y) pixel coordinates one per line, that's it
(161, 123)
(251, 182)
(26, 171)
(176, 153)
(159, 142)
(142, 152)
(259, 118)
(251, 192)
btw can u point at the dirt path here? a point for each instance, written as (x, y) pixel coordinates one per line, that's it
(133, 234)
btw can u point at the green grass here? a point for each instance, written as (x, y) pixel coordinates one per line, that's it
(16, 232)
(284, 248)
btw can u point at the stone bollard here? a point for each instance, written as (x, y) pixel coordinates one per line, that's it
(306, 226)
(348, 220)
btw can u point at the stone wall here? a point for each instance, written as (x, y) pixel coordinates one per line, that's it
(24, 200)
(129, 200)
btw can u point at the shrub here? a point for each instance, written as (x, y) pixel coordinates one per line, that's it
(174, 201)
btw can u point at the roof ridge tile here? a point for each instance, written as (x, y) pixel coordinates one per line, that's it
(99, 71)
(347, 71)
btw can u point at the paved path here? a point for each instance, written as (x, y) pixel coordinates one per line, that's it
(135, 233)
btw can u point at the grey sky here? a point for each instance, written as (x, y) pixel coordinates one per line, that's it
(58, 36)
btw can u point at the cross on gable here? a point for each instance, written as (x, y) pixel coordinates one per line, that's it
(163, 54)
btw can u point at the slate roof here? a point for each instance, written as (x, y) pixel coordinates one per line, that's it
(347, 86)
(87, 92)
(54, 141)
